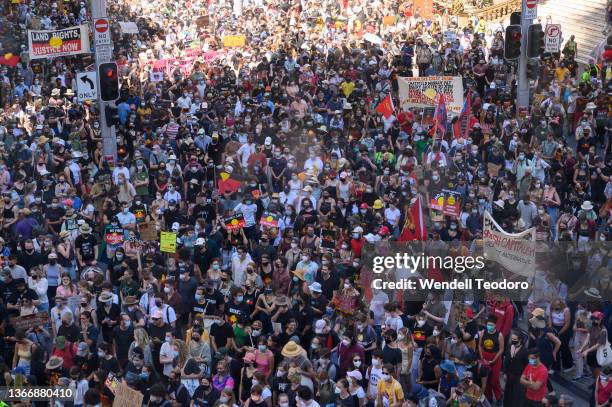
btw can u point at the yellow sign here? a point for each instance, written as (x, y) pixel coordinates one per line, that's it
(389, 20)
(234, 40)
(167, 242)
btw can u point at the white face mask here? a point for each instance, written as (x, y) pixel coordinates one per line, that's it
(346, 342)
(436, 332)
(420, 322)
(357, 364)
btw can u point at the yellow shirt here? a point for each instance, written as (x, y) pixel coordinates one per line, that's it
(561, 72)
(391, 392)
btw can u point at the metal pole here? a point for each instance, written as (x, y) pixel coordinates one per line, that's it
(109, 140)
(522, 94)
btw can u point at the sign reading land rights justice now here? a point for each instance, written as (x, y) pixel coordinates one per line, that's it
(422, 92)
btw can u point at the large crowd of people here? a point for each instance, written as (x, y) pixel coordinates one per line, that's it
(273, 170)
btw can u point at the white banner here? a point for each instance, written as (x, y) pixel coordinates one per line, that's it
(514, 251)
(422, 92)
(56, 43)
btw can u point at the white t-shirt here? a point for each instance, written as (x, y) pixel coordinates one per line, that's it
(167, 351)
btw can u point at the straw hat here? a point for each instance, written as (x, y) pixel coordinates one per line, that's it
(300, 273)
(592, 292)
(105, 297)
(291, 349)
(85, 228)
(54, 362)
(130, 300)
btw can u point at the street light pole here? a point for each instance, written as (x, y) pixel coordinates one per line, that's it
(104, 54)
(522, 94)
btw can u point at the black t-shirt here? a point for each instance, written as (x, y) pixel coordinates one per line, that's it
(221, 333)
(159, 332)
(201, 399)
(212, 302)
(124, 339)
(110, 365)
(350, 401)
(85, 245)
(392, 355)
(233, 310)
(70, 332)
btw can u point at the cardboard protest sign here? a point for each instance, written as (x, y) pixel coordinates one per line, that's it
(127, 397)
(234, 222)
(147, 231)
(29, 321)
(167, 242)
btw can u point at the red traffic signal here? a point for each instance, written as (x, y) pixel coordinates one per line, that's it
(109, 81)
(512, 44)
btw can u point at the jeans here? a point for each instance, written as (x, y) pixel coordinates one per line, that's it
(553, 212)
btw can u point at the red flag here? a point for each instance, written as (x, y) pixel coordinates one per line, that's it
(414, 225)
(439, 117)
(385, 107)
(462, 126)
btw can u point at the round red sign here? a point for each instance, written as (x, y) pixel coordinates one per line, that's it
(531, 3)
(101, 25)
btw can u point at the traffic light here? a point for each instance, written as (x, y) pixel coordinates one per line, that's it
(515, 18)
(512, 45)
(535, 43)
(109, 81)
(111, 114)
(533, 69)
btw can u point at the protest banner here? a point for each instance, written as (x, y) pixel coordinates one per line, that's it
(436, 202)
(237, 40)
(128, 27)
(167, 242)
(422, 92)
(127, 397)
(112, 382)
(55, 43)
(29, 321)
(452, 203)
(234, 222)
(516, 252)
(268, 219)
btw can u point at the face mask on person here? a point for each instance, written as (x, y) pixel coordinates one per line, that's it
(346, 342)
(435, 332)
(490, 328)
(239, 299)
(337, 390)
(533, 362)
(262, 348)
(420, 322)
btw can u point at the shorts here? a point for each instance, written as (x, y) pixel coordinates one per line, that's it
(591, 360)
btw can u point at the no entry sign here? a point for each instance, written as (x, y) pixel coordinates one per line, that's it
(102, 34)
(531, 9)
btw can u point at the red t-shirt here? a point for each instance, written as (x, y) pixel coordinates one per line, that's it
(538, 373)
(604, 392)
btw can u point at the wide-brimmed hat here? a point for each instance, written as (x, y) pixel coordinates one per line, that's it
(538, 312)
(291, 349)
(590, 106)
(69, 92)
(54, 362)
(448, 366)
(500, 202)
(105, 297)
(586, 206)
(315, 287)
(592, 292)
(130, 300)
(538, 322)
(64, 233)
(85, 228)
(300, 273)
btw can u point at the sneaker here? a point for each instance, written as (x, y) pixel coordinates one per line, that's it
(578, 378)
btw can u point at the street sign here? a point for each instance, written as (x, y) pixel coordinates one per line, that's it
(104, 53)
(531, 9)
(102, 35)
(552, 40)
(87, 86)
